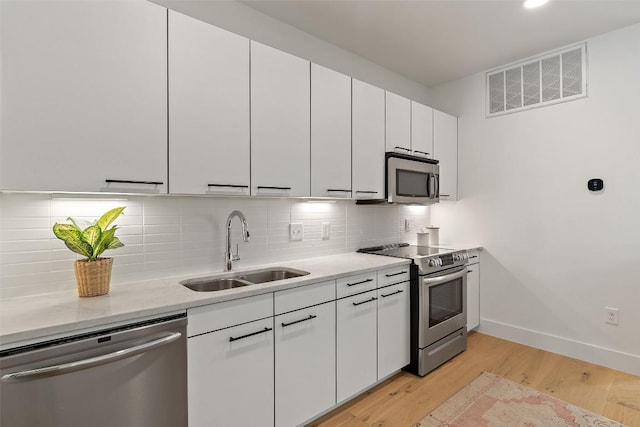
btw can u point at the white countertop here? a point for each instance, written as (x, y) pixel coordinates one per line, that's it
(28, 319)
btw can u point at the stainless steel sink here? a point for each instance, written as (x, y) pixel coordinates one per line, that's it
(272, 275)
(240, 279)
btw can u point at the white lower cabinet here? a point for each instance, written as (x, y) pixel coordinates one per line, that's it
(473, 291)
(305, 364)
(393, 329)
(356, 344)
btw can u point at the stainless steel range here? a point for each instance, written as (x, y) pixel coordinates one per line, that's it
(438, 302)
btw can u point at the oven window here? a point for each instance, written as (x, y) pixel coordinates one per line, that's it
(411, 183)
(445, 301)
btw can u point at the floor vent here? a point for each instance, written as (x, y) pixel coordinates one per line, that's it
(551, 78)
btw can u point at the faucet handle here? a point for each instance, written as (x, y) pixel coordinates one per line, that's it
(236, 256)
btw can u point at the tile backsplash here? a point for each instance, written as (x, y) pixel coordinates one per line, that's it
(182, 236)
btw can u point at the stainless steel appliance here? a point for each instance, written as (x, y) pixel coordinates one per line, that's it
(134, 375)
(438, 303)
(409, 180)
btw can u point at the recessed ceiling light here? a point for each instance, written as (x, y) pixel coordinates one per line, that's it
(530, 4)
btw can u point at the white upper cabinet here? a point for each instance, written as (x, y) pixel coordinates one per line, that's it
(368, 140)
(398, 123)
(208, 109)
(421, 130)
(280, 123)
(445, 149)
(330, 133)
(84, 96)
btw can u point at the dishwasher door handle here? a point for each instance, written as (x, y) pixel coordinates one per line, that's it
(64, 368)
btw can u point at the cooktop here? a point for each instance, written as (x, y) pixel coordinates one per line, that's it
(427, 258)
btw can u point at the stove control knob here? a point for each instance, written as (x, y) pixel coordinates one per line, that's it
(433, 262)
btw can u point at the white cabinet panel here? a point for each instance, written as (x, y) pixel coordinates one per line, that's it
(421, 129)
(473, 296)
(398, 123)
(231, 382)
(84, 96)
(280, 123)
(393, 329)
(208, 109)
(330, 133)
(368, 140)
(356, 344)
(305, 369)
(445, 149)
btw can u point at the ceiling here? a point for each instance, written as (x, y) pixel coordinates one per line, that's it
(435, 41)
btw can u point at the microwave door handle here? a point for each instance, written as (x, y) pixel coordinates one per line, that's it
(432, 185)
(437, 185)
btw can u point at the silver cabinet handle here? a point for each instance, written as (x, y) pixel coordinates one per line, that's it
(456, 275)
(64, 368)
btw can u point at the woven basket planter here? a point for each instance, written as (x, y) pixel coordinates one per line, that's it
(93, 277)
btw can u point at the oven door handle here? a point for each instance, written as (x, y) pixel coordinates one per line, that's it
(447, 277)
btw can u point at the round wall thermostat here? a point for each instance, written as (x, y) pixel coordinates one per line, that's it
(595, 184)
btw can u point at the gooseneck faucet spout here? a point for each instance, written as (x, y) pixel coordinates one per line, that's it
(229, 256)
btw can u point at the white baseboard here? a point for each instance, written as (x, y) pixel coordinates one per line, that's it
(579, 350)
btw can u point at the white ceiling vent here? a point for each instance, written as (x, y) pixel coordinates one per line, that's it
(554, 77)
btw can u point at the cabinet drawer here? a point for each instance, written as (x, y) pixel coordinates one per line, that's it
(355, 284)
(304, 296)
(229, 313)
(393, 275)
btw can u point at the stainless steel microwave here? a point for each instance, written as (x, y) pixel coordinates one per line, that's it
(411, 179)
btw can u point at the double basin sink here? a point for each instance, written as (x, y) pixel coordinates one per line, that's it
(239, 279)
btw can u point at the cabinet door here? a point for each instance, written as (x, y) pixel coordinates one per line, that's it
(398, 123)
(421, 129)
(84, 96)
(445, 149)
(330, 133)
(280, 123)
(305, 363)
(368, 141)
(356, 344)
(231, 382)
(208, 108)
(473, 296)
(393, 329)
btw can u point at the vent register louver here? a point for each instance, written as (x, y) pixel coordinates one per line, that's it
(555, 77)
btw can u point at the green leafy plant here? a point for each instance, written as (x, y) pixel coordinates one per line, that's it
(93, 240)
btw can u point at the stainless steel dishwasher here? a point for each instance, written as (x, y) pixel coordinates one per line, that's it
(135, 375)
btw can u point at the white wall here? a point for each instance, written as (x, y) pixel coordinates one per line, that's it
(556, 254)
(180, 236)
(241, 19)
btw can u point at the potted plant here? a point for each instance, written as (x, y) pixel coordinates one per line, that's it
(93, 274)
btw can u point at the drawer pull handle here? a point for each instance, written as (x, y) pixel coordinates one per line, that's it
(367, 192)
(260, 187)
(472, 257)
(364, 302)
(338, 191)
(395, 274)
(399, 291)
(311, 316)
(228, 185)
(445, 195)
(360, 283)
(232, 339)
(128, 181)
(421, 152)
(402, 148)
(469, 271)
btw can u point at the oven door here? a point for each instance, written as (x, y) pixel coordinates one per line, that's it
(412, 181)
(443, 305)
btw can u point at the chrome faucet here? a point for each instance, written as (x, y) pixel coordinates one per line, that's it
(229, 256)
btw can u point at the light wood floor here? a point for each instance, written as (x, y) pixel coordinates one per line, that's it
(405, 399)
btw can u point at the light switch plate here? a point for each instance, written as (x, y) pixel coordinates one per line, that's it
(296, 231)
(326, 230)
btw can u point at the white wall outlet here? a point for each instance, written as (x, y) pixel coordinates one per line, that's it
(296, 231)
(326, 230)
(611, 315)
(407, 224)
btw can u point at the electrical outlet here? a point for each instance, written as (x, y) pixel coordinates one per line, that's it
(326, 230)
(407, 224)
(296, 232)
(611, 315)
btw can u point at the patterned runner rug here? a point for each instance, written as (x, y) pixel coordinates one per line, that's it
(494, 401)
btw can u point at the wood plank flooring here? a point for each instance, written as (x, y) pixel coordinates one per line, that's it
(405, 399)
